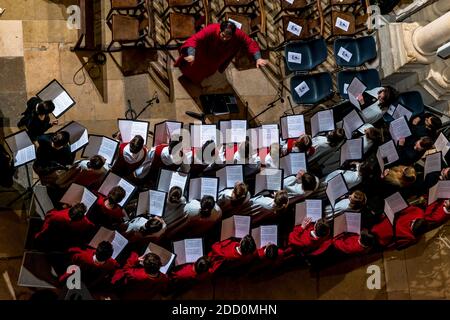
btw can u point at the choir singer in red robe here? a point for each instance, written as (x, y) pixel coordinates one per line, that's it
(213, 48)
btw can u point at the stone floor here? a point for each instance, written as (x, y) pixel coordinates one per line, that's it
(35, 49)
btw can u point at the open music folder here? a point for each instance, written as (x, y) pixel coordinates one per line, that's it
(188, 250)
(55, 92)
(352, 149)
(311, 208)
(269, 180)
(151, 202)
(322, 121)
(166, 131)
(131, 128)
(292, 163)
(399, 128)
(167, 257)
(292, 126)
(336, 188)
(433, 163)
(79, 136)
(355, 89)
(347, 222)
(265, 235)
(200, 187)
(233, 131)
(440, 190)
(168, 179)
(387, 154)
(115, 238)
(22, 148)
(111, 180)
(235, 227)
(229, 175)
(200, 133)
(264, 136)
(102, 146)
(394, 204)
(352, 122)
(79, 194)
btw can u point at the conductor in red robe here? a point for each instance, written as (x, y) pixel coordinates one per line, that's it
(213, 48)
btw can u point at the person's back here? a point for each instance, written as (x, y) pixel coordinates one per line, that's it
(53, 153)
(175, 204)
(36, 117)
(310, 238)
(106, 211)
(91, 173)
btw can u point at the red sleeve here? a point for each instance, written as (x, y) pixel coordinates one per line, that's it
(251, 45)
(132, 261)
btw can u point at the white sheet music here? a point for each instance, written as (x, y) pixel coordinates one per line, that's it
(399, 129)
(24, 155)
(294, 28)
(308, 209)
(128, 187)
(293, 163)
(345, 54)
(241, 226)
(178, 179)
(353, 221)
(82, 141)
(209, 187)
(233, 131)
(268, 134)
(294, 57)
(164, 132)
(442, 144)
(129, 129)
(336, 188)
(432, 163)
(268, 179)
(393, 204)
(440, 190)
(351, 150)
(342, 24)
(323, 122)
(355, 89)
(188, 250)
(371, 112)
(166, 256)
(117, 240)
(352, 122)
(101, 146)
(229, 175)
(238, 25)
(301, 89)
(387, 154)
(156, 202)
(61, 102)
(401, 111)
(265, 235)
(295, 126)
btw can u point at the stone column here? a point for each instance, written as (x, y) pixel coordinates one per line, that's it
(427, 39)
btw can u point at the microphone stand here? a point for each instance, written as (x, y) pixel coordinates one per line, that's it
(269, 106)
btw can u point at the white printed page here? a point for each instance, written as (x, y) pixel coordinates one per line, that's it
(442, 144)
(314, 209)
(432, 163)
(336, 188)
(295, 126)
(238, 131)
(269, 134)
(178, 179)
(241, 225)
(269, 235)
(353, 222)
(352, 122)
(396, 203)
(24, 155)
(108, 149)
(339, 225)
(354, 90)
(401, 111)
(193, 249)
(273, 178)
(234, 174)
(62, 102)
(351, 150)
(209, 187)
(156, 202)
(399, 129)
(443, 190)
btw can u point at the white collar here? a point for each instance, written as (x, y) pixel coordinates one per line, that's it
(132, 157)
(445, 210)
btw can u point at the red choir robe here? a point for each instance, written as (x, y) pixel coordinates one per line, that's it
(133, 273)
(403, 233)
(123, 168)
(90, 270)
(348, 243)
(303, 240)
(291, 144)
(58, 231)
(211, 53)
(435, 214)
(225, 251)
(101, 215)
(384, 232)
(230, 150)
(187, 272)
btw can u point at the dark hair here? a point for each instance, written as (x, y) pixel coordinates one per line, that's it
(96, 162)
(45, 107)
(366, 170)
(175, 194)
(240, 191)
(419, 227)
(207, 145)
(153, 225)
(76, 213)
(116, 195)
(303, 143)
(247, 245)
(335, 136)
(426, 142)
(436, 122)
(374, 134)
(104, 251)
(202, 265)
(367, 239)
(60, 139)
(390, 96)
(152, 263)
(321, 228)
(271, 252)
(136, 144)
(281, 199)
(358, 200)
(228, 27)
(206, 205)
(309, 182)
